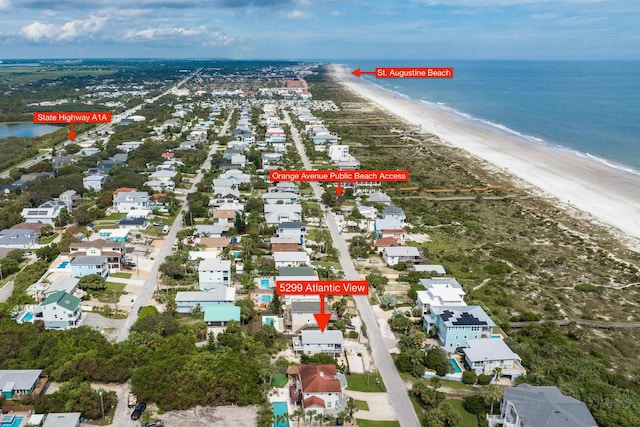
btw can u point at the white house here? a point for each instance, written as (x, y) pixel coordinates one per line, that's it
(18, 239)
(61, 310)
(392, 255)
(214, 273)
(321, 389)
(439, 291)
(93, 182)
(292, 229)
(131, 200)
(484, 355)
(187, 301)
(302, 310)
(313, 341)
(279, 198)
(163, 175)
(278, 214)
(46, 213)
(291, 259)
(338, 152)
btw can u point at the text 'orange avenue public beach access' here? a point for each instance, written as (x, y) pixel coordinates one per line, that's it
(339, 175)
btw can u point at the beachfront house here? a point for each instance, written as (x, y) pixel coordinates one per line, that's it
(311, 342)
(126, 201)
(62, 419)
(302, 312)
(484, 355)
(291, 259)
(292, 229)
(86, 265)
(531, 406)
(61, 310)
(439, 291)
(393, 255)
(457, 324)
(115, 251)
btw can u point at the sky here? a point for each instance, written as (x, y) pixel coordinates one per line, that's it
(321, 29)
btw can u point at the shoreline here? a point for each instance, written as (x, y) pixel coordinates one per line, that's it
(610, 195)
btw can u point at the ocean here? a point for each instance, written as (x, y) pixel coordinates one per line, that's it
(591, 107)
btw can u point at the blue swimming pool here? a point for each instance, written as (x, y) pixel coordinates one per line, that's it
(266, 298)
(280, 408)
(28, 317)
(10, 421)
(63, 264)
(264, 283)
(456, 366)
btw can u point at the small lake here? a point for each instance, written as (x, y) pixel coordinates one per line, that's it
(26, 129)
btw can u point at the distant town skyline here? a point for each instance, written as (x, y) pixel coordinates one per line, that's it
(321, 29)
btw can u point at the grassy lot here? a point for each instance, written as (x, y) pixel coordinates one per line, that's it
(361, 405)
(48, 239)
(419, 412)
(113, 286)
(369, 423)
(468, 420)
(120, 275)
(358, 382)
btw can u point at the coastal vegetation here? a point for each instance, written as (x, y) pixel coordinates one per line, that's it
(516, 254)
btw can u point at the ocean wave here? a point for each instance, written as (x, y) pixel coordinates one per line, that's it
(608, 163)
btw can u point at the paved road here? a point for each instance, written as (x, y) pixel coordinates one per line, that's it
(396, 389)
(6, 291)
(150, 284)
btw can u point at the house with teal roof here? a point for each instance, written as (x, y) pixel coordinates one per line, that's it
(61, 310)
(216, 316)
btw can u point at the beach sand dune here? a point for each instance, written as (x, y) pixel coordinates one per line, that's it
(611, 196)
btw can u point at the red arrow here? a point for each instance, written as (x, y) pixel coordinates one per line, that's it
(339, 189)
(72, 134)
(357, 72)
(322, 318)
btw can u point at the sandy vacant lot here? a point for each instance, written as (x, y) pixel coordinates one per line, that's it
(237, 416)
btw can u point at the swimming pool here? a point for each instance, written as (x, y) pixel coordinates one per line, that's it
(280, 408)
(63, 264)
(456, 367)
(10, 421)
(266, 298)
(28, 317)
(264, 283)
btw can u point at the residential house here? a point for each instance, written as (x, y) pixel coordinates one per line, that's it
(18, 383)
(115, 234)
(42, 290)
(394, 212)
(439, 291)
(390, 227)
(163, 176)
(280, 198)
(285, 247)
(271, 160)
(338, 152)
(214, 273)
(94, 182)
(130, 201)
(136, 223)
(220, 315)
(46, 213)
(68, 198)
(483, 356)
(115, 251)
(387, 242)
(207, 230)
(321, 388)
(322, 136)
(397, 254)
(285, 187)
(213, 245)
(224, 195)
(225, 218)
(379, 197)
(129, 146)
(61, 310)
(11, 238)
(237, 176)
(188, 301)
(457, 324)
(65, 419)
(311, 342)
(291, 259)
(279, 214)
(161, 185)
(292, 229)
(435, 269)
(274, 135)
(86, 265)
(350, 163)
(540, 406)
(302, 310)
(219, 183)
(59, 161)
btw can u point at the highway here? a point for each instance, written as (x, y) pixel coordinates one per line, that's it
(396, 389)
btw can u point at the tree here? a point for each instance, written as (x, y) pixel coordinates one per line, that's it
(400, 323)
(92, 282)
(48, 253)
(275, 304)
(240, 223)
(475, 404)
(388, 301)
(377, 281)
(63, 218)
(427, 396)
(484, 379)
(469, 377)
(493, 393)
(437, 360)
(9, 266)
(46, 230)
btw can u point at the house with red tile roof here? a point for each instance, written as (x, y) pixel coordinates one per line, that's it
(321, 388)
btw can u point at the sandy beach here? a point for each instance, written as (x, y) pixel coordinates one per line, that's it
(609, 195)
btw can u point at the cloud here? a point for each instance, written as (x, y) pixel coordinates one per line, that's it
(251, 3)
(77, 28)
(501, 3)
(218, 39)
(153, 33)
(4, 4)
(337, 13)
(296, 14)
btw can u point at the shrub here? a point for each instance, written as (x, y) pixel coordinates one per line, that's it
(484, 379)
(469, 377)
(586, 287)
(475, 404)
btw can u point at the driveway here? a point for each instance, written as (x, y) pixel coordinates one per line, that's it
(379, 406)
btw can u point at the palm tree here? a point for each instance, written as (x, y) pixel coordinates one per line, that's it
(493, 393)
(497, 371)
(297, 415)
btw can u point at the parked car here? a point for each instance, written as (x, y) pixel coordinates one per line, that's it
(137, 412)
(374, 261)
(352, 327)
(158, 224)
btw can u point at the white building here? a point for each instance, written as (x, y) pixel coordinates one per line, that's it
(312, 341)
(93, 182)
(214, 273)
(130, 201)
(485, 355)
(439, 291)
(393, 255)
(291, 259)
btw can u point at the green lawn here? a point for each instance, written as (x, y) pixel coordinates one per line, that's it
(458, 385)
(113, 286)
(468, 420)
(48, 239)
(418, 410)
(361, 405)
(121, 275)
(365, 382)
(279, 380)
(369, 423)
